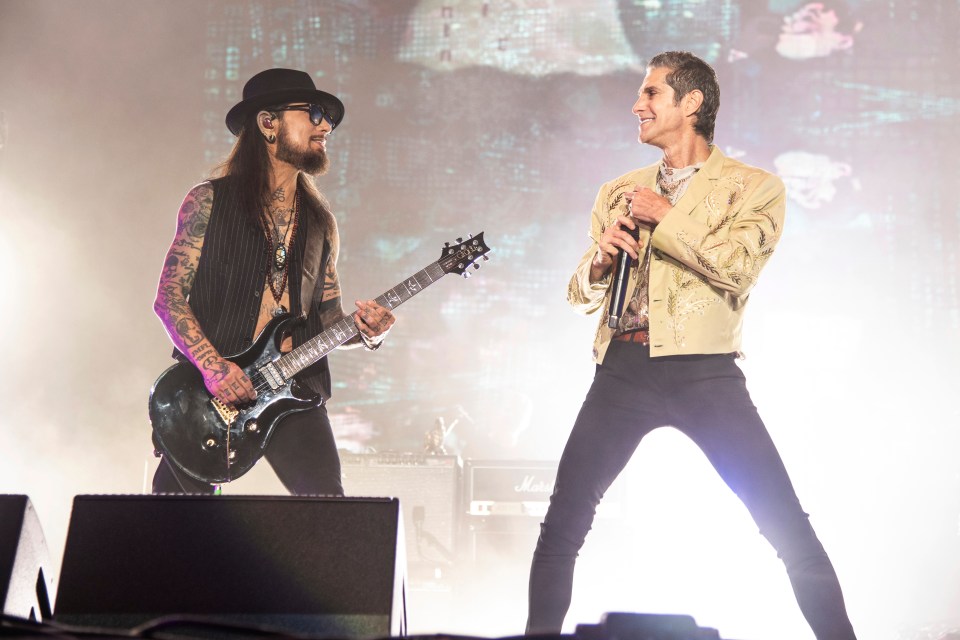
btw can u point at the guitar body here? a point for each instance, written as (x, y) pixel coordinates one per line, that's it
(208, 442)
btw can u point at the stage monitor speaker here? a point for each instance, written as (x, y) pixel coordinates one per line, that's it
(645, 626)
(428, 487)
(314, 566)
(26, 582)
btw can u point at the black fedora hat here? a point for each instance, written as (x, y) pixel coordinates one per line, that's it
(281, 86)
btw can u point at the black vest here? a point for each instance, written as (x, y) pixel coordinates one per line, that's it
(228, 287)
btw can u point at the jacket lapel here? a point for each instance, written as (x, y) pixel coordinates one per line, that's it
(702, 183)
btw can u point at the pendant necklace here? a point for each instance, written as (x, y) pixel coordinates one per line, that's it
(277, 256)
(280, 253)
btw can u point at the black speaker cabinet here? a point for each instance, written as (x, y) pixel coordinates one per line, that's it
(316, 566)
(26, 584)
(428, 487)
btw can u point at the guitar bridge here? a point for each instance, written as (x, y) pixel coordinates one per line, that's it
(227, 413)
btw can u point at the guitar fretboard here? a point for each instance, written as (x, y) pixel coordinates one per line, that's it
(345, 330)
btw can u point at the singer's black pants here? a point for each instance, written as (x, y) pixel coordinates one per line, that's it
(302, 451)
(705, 397)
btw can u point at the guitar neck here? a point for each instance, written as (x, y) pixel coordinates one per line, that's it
(345, 330)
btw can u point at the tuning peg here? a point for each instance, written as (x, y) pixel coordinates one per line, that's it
(459, 240)
(446, 244)
(466, 275)
(486, 258)
(476, 265)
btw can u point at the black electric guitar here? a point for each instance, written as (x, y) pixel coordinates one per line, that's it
(215, 442)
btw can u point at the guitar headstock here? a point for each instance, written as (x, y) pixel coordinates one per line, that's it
(457, 258)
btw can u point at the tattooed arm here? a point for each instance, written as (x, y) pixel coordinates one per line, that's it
(221, 377)
(371, 319)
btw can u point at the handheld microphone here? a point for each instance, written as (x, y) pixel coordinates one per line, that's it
(620, 279)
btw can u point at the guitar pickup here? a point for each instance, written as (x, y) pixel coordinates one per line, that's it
(272, 376)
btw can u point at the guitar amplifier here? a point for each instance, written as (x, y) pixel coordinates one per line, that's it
(509, 487)
(506, 501)
(518, 488)
(428, 487)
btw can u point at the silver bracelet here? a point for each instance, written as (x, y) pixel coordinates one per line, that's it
(369, 343)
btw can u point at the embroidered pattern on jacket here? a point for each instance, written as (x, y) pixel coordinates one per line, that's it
(683, 300)
(617, 198)
(740, 266)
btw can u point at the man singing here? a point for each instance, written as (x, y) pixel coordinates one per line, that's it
(707, 225)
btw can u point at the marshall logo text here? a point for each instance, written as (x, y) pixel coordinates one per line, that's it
(530, 484)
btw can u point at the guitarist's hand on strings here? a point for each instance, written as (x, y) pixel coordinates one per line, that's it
(227, 381)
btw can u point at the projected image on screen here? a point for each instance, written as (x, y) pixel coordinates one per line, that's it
(504, 117)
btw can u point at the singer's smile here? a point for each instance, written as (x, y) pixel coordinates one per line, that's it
(663, 121)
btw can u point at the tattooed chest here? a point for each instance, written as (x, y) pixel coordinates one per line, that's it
(268, 309)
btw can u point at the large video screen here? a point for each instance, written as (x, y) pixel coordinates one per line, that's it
(505, 118)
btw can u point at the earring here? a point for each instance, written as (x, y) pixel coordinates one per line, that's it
(271, 138)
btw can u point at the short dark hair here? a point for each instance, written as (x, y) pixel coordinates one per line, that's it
(687, 73)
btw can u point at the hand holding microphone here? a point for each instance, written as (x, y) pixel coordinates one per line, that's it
(621, 278)
(620, 244)
(644, 206)
(617, 239)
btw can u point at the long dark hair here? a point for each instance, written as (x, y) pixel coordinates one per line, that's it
(249, 166)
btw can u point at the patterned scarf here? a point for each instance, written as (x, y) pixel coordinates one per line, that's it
(673, 182)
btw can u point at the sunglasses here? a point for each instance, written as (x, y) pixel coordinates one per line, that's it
(317, 113)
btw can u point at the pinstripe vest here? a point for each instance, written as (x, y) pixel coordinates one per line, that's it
(231, 273)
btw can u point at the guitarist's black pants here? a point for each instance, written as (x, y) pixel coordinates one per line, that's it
(705, 397)
(302, 452)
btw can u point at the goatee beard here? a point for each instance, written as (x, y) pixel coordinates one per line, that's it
(310, 161)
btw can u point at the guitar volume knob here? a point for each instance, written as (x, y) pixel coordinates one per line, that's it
(252, 426)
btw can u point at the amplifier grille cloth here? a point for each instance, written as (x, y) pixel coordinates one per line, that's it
(429, 492)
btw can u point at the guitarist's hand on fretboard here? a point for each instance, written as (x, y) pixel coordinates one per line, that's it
(372, 319)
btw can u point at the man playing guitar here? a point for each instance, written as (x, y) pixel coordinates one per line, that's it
(256, 242)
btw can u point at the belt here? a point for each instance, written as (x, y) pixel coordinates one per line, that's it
(640, 336)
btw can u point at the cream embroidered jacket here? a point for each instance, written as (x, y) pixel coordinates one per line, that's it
(706, 256)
